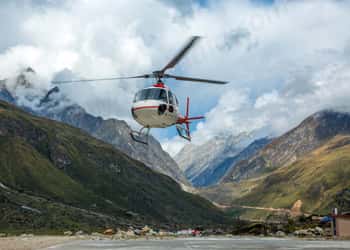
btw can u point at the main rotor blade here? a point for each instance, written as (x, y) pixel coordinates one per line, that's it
(101, 79)
(191, 79)
(181, 54)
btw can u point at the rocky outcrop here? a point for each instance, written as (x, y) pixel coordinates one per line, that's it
(286, 149)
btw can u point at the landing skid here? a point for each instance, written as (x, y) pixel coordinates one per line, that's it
(141, 136)
(183, 132)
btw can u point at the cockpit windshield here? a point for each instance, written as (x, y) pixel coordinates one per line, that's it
(151, 94)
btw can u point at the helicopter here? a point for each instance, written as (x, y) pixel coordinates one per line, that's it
(157, 106)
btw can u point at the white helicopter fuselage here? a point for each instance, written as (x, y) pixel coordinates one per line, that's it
(153, 111)
(156, 106)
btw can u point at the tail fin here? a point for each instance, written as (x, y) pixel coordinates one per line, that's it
(184, 132)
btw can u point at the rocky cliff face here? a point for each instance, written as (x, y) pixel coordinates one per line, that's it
(286, 149)
(205, 164)
(55, 105)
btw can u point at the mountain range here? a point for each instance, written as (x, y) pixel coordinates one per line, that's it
(55, 105)
(286, 149)
(206, 164)
(57, 177)
(308, 165)
(305, 167)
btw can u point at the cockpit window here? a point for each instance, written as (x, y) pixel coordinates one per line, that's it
(171, 98)
(151, 94)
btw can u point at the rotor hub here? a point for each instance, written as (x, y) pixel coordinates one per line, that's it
(158, 74)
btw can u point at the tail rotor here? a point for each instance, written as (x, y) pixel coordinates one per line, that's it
(183, 124)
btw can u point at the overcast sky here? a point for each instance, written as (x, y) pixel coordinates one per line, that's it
(284, 59)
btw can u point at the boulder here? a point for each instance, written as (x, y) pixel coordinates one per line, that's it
(68, 233)
(79, 233)
(97, 236)
(116, 237)
(300, 233)
(27, 235)
(119, 235)
(280, 234)
(163, 233)
(130, 233)
(152, 233)
(2, 235)
(108, 231)
(138, 232)
(304, 233)
(318, 231)
(145, 229)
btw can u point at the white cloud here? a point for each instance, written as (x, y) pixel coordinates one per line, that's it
(284, 61)
(174, 145)
(268, 99)
(293, 62)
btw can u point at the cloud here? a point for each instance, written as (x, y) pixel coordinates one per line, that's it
(283, 60)
(91, 39)
(297, 64)
(174, 145)
(273, 113)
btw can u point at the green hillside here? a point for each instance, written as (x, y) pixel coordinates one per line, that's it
(320, 180)
(43, 159)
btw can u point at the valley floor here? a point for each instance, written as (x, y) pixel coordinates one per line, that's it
(207, 243)
(223, 243)
(32, 242)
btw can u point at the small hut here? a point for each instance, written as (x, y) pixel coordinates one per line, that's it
(341, 224)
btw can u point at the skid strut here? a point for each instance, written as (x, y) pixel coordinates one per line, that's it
(141, 136)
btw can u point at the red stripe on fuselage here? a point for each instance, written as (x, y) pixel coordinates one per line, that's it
(145, 107)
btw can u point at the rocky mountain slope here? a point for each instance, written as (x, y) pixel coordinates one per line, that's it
(55, 105)
(286, 149)
(198, 160)
(117, 133)
(47, 162)
(309, 164)
(204, 165)
(319, 179)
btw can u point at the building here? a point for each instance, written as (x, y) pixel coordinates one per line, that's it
(342, 225)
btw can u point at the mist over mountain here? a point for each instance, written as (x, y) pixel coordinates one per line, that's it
(278, 74)
(205, 164)
(55, 105)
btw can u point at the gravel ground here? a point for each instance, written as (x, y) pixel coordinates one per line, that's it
(31, 243)
(234, 243)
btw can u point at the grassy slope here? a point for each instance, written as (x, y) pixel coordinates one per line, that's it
(61, 163)
(50, 217)
(315, 179)
(225, 193)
